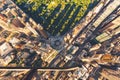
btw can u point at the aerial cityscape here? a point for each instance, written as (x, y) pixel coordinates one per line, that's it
(59, 39)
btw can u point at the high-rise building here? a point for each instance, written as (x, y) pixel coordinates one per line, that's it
(104, 59)
(109, 74)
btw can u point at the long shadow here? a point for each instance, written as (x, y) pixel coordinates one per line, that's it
(60, 16)
(75, 22)
(40, 16)
(65, 18)
(52, 15)
(33, 14)
(57, 21)
(71, 21)
(41, 19)
(25, 9)
(90, 7)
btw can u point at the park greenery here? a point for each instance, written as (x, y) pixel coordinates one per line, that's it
(56, 16)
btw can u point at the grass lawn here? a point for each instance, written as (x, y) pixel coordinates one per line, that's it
(56, 16)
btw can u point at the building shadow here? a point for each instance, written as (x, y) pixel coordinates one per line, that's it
(47, 21)
(71, 21)
(59, 20)
(90, 7)
(60, 26)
